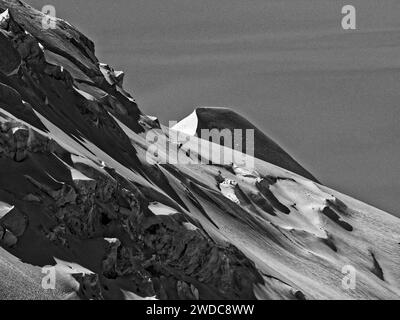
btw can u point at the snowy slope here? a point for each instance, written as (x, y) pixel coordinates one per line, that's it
(209, 118)
(83, 189)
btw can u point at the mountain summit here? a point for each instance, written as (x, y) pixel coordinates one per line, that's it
(265, 148)
(91, 208)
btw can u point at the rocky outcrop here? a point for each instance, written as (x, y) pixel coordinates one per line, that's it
(159, 255)
(7, 238)
(169, 261)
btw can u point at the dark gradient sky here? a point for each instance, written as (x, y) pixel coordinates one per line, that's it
(330, 97)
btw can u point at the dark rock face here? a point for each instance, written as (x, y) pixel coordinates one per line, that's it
(168, 261)
(11, 59)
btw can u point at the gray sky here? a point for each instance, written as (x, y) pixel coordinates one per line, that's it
(330, 97)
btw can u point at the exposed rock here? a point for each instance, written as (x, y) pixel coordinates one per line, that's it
(16, 222)
(17, 140)
(57, 235)
(7, 238)
(377, 269)
(186, 291)
(10, 59)
(89, 287)
(4, 19)
(66, 195)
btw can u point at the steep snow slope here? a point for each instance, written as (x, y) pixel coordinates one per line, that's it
(84, 189)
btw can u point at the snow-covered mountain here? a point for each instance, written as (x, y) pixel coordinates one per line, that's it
(209, 118)
(87, 197)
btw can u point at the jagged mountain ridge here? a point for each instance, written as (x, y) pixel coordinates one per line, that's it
(77, 191)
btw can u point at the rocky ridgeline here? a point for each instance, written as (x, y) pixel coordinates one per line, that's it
(147, 255)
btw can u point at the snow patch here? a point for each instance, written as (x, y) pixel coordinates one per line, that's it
(187, 125)
(77, 175)
(189, 226)
(84, 94)
(5, 208)
(160, 209)
(71, 267)
(152, 118)
(97, 166)
(4, 19)
(16, 129)
(111, 240)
